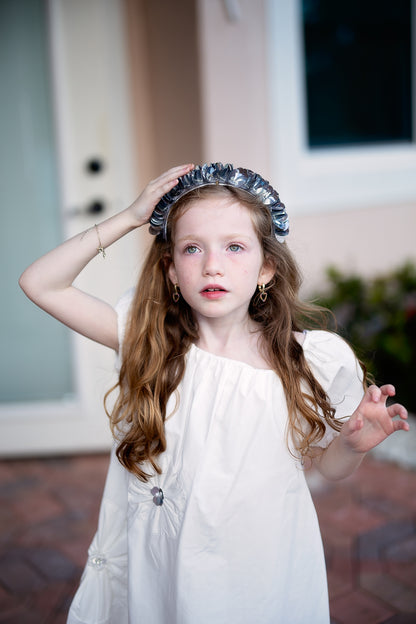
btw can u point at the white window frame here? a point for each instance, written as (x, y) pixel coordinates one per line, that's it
(325, 179)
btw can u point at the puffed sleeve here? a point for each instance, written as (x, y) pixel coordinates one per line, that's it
(335, 366)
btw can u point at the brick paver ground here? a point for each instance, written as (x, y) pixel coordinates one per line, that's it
(49, 510)
(368, 524)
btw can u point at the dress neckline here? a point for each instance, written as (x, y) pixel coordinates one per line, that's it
(227, 360)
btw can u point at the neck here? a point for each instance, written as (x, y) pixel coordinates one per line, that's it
(214, 335)
(237, 341)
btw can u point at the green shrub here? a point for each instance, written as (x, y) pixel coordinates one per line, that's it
(378, 318)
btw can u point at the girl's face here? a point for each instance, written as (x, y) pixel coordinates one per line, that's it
(217, 259)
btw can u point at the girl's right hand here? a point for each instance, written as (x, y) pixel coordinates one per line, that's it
(141, 209)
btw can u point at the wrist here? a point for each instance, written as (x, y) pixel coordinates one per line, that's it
(338, 460)
(133, 221)
(346, 445)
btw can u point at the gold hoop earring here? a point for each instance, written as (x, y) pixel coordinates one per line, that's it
(262, 292)
(176, 294)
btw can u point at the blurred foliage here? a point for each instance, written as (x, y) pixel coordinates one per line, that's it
(378, 318)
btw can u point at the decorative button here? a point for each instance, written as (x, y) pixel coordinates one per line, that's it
(157, 496)
(97, 561)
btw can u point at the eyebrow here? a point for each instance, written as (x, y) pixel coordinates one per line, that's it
(231, 236)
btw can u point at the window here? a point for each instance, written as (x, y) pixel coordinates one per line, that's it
(357, 71)
(342, 103)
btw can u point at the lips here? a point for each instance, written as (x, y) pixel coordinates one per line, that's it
(213, 288)
(213, 291)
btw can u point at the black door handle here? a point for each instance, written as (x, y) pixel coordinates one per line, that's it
(97, 206)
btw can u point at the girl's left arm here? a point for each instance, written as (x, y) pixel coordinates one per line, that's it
(370, 424)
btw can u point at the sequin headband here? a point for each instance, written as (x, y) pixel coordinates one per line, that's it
(217, 174)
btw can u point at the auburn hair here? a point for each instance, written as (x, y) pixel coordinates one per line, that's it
(159, 333)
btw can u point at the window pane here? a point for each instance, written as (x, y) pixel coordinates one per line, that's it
(357, 71)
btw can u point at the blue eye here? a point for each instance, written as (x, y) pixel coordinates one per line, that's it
(234, 247)
(191, 249)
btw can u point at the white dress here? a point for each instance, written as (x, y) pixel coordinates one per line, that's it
(236, 538)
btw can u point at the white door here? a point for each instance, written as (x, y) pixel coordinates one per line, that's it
(66, 163)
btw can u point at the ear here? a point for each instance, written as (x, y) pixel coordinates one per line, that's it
(172, 273)
(267, 272)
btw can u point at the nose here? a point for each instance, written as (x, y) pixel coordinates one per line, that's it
(213, 264)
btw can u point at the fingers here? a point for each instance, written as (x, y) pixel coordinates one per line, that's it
(169, 178)
(400, 425)
(397, 410)
(164, 183)
(401, 411)
(374, 393)
(377, 394)
(143, 206)
(381, 393)
(174, 172)
(388, 390)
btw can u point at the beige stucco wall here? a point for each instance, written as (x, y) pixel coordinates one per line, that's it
(164, 73)
(236, 121)
(370, 241)
(233, 84)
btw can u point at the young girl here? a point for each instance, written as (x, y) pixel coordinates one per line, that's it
(206, 515)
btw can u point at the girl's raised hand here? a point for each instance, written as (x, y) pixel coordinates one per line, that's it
(372, 422)
(48, 281)
(142, 208)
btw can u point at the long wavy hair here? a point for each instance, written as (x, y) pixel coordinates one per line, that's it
(160, 332)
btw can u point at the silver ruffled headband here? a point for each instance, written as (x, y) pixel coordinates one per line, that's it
(217, 174)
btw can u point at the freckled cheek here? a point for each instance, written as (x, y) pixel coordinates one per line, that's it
(187, 272)
(186, 282)
(245, 270)
(237, 264)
